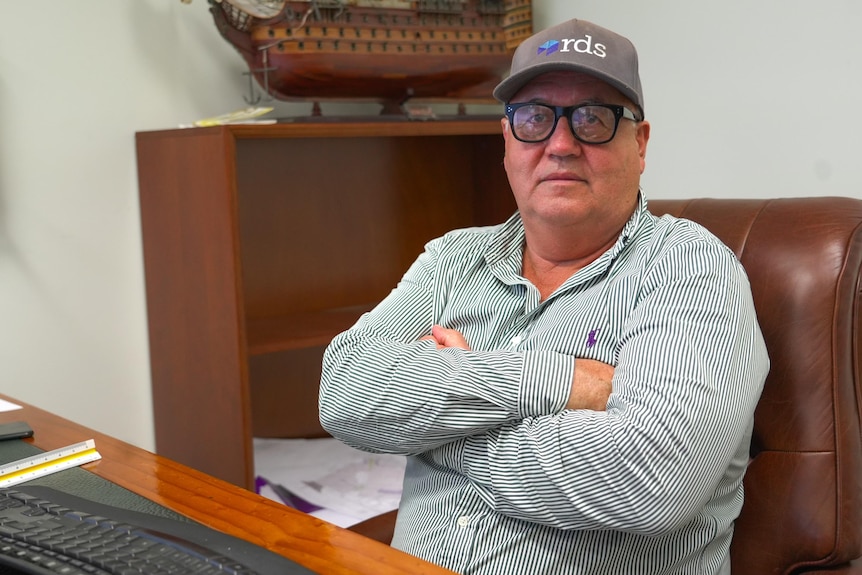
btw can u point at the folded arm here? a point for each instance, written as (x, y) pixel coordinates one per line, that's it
(675, 433)
(396, 383)
(389, 391)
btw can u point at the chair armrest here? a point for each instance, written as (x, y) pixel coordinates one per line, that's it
(852, 568)
(382, 527)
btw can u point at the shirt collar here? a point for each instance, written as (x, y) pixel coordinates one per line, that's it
(504, 252)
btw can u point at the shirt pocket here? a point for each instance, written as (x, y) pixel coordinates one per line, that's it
(587, 322)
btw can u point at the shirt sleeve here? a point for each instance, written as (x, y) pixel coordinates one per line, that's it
(691, 367)
(383, 390)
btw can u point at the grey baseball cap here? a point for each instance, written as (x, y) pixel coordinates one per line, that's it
(579, 46)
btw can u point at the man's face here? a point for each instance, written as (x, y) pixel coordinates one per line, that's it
(564, 182)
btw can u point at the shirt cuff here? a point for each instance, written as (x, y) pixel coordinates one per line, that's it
(546, 383)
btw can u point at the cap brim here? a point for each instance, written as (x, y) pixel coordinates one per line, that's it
(506, 89)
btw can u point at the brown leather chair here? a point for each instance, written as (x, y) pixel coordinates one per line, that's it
(803, 488)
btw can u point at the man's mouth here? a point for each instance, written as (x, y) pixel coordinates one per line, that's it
(565, 176)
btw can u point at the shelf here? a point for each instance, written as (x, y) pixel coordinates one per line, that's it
(260, 241)
(300, 330)
(369, 127)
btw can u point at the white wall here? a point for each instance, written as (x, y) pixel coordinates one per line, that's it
(77, 79)
(745, 98)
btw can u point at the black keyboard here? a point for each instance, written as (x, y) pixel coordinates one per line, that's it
(46, 532)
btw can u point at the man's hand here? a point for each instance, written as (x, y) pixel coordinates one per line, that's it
(591, 385)
(446, 338)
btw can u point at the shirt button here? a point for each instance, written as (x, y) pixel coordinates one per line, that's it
(516, 341)
(463, 521)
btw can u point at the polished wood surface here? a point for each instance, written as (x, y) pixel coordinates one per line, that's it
(261, 243)
(320, 546)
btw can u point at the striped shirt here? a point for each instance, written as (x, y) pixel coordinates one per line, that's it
(500, 478)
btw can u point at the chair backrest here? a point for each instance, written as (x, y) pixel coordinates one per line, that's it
(803, 488)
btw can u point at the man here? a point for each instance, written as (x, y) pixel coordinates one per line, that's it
(574, 388)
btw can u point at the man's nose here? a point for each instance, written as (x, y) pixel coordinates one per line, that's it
(563, 140)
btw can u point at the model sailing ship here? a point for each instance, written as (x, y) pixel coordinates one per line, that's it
(389, 51)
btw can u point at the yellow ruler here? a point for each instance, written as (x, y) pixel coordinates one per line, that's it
(48, 462)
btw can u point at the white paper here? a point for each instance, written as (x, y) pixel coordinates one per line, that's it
(8, 406)
(350, 485)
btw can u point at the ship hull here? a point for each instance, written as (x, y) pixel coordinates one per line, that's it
(395, 58)
(387, 78)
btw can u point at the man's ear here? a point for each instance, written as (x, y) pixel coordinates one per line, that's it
(642, 137)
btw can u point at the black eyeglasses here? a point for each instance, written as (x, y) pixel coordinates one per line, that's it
(590, 123)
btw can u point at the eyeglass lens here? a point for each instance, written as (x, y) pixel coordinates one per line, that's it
(535, 122)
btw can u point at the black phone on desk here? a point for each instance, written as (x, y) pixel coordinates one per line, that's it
(15, 430)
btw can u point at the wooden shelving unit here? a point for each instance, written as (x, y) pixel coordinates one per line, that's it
(261, 243)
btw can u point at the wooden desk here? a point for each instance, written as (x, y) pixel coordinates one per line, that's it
(320, 546)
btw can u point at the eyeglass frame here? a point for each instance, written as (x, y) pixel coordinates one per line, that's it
(620, 112)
